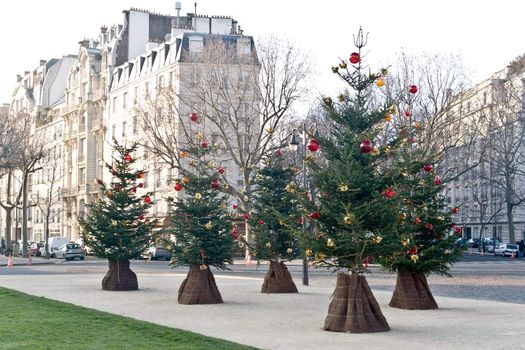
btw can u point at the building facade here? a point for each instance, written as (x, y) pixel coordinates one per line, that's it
(87, 100)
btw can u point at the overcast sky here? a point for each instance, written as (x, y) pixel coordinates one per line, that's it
(487, 34)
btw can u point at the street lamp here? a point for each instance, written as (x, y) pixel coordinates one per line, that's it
(298, 143)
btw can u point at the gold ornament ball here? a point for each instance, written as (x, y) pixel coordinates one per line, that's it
(414, 258)
(388, 118)
(348, 220)
(405, 242)
(209, 225)
(380, 82)
(203, 267)
(330, 243)
(342, 187)
(269, 245)
(185, 179)
(289, 250)
(198, 196)
(308, 252)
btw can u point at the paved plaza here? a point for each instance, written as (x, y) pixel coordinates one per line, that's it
(285, 321)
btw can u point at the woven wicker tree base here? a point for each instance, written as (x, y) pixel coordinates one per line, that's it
(412, 292)
(278, 279)
(353, 308)
(199, 287)
(119, 277)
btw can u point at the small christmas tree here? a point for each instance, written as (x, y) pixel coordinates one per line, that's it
(274, 221)
(115, 227)
(349, 213)
(423, 241)
(201, 226)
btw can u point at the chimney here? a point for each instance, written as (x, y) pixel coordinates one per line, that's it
(42, 62)
(103, 29)
(84, 43)
(26, 72)
(18, 78)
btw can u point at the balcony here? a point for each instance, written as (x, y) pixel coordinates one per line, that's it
(70, 135)
(68, 109)
(99, 94)
(97, 124)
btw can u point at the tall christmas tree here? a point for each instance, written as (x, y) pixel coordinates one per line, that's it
(274, 221)
(201, 226)
(423, 241)
(115, 226)
(350, 215)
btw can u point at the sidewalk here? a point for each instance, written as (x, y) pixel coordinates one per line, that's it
(17, 261)
(288, 321)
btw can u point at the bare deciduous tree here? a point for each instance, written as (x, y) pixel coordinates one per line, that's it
(242, 99)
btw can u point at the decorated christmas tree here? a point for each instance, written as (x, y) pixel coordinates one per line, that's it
(201, 225)
(115, 226)
(274, 220)
(350, 213)
(423, 241)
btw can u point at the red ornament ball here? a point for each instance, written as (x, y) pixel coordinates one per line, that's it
(235, 233)
(355, 58)
(215, 184)
(204, 144)
(261, 222)
(100, 182)
(178, 187)
(454, 210)
(429, 226)
(412, 251)
(437, 181)
(194, 116)
(313, 145)
(134, 189)
(140, 185)
(458, 230)
(417, 221)
(366, 146)
(407, 114)
(278, 153)
(128, 158)
(147, 199)
(220, 170)
(428, 168)
(412, 89)
(315, 215)
(246, 216)
(235, 206)
(141, 217)
(389, 193)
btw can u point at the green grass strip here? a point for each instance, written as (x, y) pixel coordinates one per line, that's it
(29, 322)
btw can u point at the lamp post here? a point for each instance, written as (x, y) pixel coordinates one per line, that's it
(298, 145)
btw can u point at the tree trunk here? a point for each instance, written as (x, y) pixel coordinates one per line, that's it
(510, 223)
(412, 292)
(25, 208)
(199, 287)
(278, 279)
(119, 277)
(353, 308)
(8, 224)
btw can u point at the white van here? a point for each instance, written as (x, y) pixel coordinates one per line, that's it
(54, 243)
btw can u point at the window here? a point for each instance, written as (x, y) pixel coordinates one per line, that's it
(114, 107)
(81, 176)
(81, 146)
(136, 97)
(158, 175)
(146, 89)
(113, 131)
(124, 100)
(146, 175)
(195, 44)
(135, 126)
(124, 129)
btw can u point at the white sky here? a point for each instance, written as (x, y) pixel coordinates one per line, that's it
(489, 34)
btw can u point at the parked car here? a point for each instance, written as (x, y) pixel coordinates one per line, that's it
(505, 249)
(34, 248)
(55, 243)
(158, 252)
(86, 249)
(69, 251)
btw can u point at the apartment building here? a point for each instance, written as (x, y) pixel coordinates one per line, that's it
(489, 182)
(90, 98)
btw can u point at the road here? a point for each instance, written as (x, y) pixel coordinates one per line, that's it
(475, 277)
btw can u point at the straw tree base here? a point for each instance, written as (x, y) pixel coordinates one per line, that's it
(199, 287)
(119, 277)
(353, 308)
(412, 292)
(278, 279)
